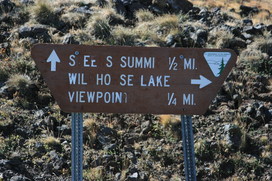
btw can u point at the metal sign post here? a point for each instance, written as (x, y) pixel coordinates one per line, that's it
(188, 147)
(77, 146)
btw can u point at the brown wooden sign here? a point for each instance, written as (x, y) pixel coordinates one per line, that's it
(114, 79)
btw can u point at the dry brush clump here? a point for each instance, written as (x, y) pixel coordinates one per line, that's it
(44, 13)
(99, 27)
(74, 19)
(111, 15)
(164, 24)
(155, 29)
(220, 38)
(144, 15)
(90, 132)
(258, 55)
(123, 36)
(52, 143)
(97, 173)
(20, 83)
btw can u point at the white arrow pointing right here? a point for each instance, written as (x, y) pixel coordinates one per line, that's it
(202, 81)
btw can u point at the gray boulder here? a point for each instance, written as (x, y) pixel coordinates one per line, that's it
(246, 10)
(233, 136)
(35, 31)
(6, 6)
(19, 178)
(180, 5)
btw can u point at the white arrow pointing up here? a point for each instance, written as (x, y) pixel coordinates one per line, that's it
(202, 81)
(53, 58)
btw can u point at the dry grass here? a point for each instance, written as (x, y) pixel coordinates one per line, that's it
(111, 15)
(267, 155)
(262, 17)
(153, 30)
(264, 139)
(83, 36)
(164, 24)
(228, 4)
(144, 15)
(91, 129)
(167, 120)
(147, 34)
(97, 173)
(51, 141)
(252, 55)
(43, 12)
(263, 43)
(220, 38)
(19, 81)
(74, 19)
(99, 27)
(123, 36)
(215, 3)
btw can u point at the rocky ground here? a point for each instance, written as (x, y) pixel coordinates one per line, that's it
(232, 140)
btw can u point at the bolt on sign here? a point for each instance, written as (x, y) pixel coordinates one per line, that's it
(114, 79)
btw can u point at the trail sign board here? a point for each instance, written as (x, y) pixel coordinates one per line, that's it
(116, 79)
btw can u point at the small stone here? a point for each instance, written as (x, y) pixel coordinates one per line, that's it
(248, 22)
(177, 6)
(35, 31)
(117, 176)
(134, 176)
(64, 129)
(170, 40)
(19, 178)
(252, 30)
(2, 38)
(143, 176)
(260, 27)
(110, 147)
(26, 2)
(39, 114)
(40, 147)
(101, 3)
(247, 36)
(250, 111)
(269, 28)
(200, 37)
(83, 10)
(4, 163)
(246, 10)
(233, 136)
(146, 127)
